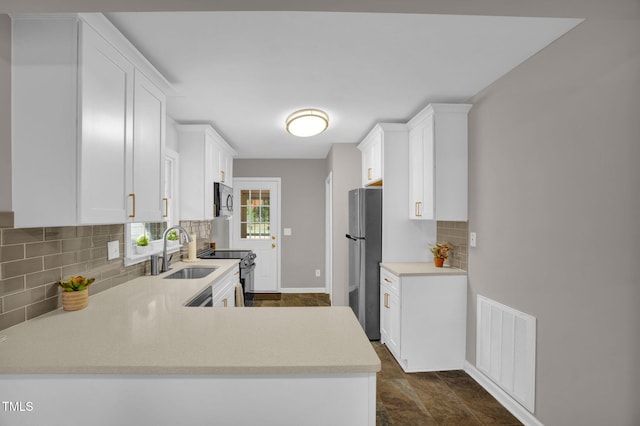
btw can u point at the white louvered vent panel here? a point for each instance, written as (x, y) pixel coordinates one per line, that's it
(506, 349)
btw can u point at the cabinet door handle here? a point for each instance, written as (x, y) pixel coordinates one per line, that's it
(369, 170)
(222, 176)
(214, 209)
(133, 213)
(386, 300)
(166, 207)
(224, 302)
(418, 208)
(388, 280)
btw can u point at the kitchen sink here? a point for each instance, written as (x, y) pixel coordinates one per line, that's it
(190, 273)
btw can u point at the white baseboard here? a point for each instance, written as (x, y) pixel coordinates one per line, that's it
(303, 290)
(503, 398)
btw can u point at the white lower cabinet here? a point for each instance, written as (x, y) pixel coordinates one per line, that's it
(224, 291)
(423, 320)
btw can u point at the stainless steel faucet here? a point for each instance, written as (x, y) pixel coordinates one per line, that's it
(165, 259)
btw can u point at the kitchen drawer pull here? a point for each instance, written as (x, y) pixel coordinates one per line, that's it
(133, 213)
(388, 280)
(386, 300)
(166, 207)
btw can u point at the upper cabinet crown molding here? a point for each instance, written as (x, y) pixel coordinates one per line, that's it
(84, 101)
(104, 27)
(438, 163)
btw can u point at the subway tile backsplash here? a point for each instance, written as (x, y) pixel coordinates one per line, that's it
(33, 260)
(202, 229)
(457, 234)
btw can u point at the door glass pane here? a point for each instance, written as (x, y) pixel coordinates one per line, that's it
(255, 215)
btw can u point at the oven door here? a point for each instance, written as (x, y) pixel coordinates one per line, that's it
(223, 199)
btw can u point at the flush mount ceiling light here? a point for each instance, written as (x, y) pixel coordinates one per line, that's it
(307, 122)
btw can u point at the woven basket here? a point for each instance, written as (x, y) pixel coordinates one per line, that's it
(75, 300)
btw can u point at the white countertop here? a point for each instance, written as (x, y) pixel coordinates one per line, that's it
(143, 327)
(419, 268)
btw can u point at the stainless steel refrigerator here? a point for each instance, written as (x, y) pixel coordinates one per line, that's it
(365, 254)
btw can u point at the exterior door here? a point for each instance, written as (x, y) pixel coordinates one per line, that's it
(256, 226)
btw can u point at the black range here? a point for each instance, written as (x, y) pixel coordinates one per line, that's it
(247, 264)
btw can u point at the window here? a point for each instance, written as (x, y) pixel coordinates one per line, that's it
(153, 231)
(255, 222)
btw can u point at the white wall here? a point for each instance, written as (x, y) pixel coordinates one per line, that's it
(5, 114)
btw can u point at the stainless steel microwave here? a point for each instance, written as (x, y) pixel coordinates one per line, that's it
(223, 199)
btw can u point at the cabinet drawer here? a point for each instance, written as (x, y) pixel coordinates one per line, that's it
(391, 280)
(222, 284)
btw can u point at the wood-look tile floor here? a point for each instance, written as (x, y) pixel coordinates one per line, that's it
(450, 398)
(295, 299)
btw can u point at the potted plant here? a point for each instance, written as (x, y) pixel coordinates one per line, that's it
(440, 253)
(172, 237)
(142, 243)
(75, 294)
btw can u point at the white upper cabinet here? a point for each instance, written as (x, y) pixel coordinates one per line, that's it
(372, 157)
(200, 167)
(148, 150)
(106, 132)
(438, 163)
(88, 124)
(223, 168)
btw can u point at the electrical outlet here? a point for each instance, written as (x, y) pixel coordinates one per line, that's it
(317, 272)
(113, 250)
(472, 239)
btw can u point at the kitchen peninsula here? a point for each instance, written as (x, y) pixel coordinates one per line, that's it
(137, 355)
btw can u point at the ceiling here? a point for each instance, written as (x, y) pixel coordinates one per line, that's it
(244, 72)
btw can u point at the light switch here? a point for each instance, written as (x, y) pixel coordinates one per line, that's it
(287, 232)
(113, 250)
(472, 239)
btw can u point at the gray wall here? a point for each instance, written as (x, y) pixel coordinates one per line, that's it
(5, 113)
(344, 162)
(555, 201)
(302, 201)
